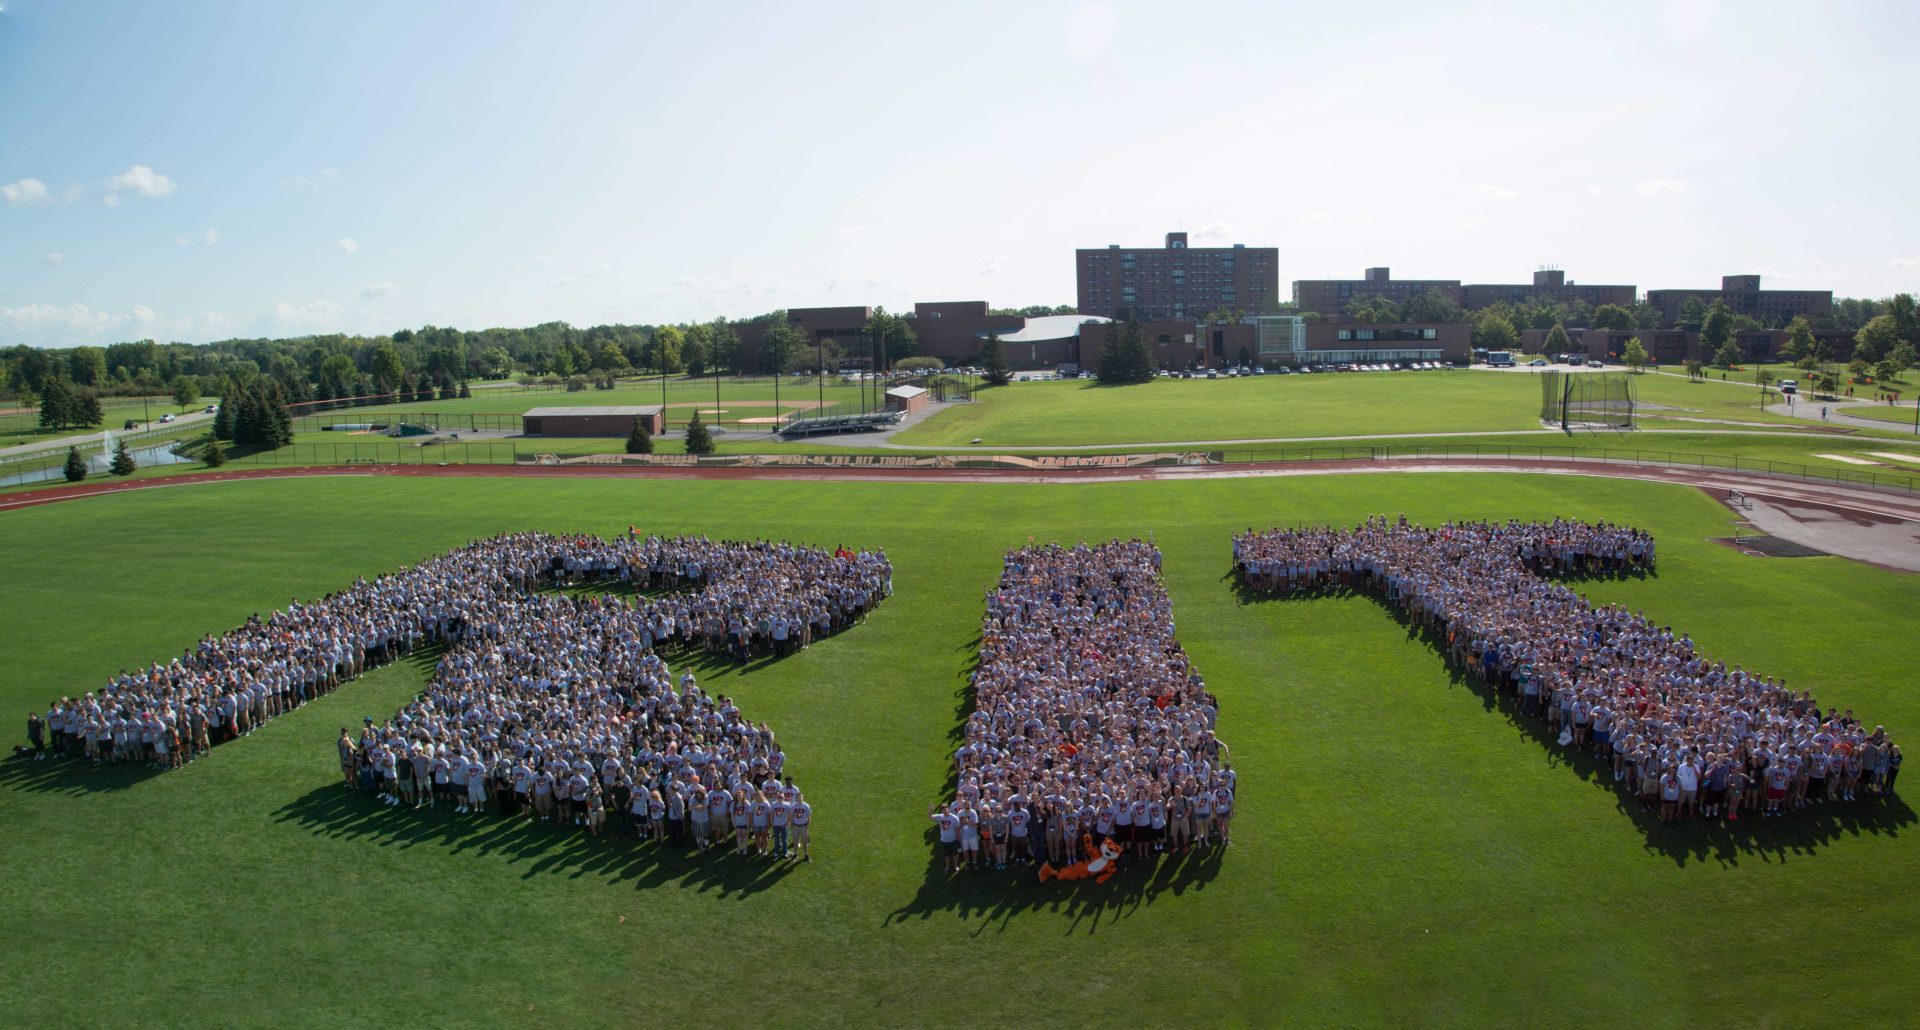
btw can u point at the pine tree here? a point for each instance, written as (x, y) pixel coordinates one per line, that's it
(277, 420)
(76, 467)
(122, 464)
(56, 403)
(699, 441)
(1113, 356)
(993, 361)
(223, 420)
(1139, 356)
(85, 410)
(216, 455)
(639, 441)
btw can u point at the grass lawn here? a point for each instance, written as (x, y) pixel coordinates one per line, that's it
(1896, 415)
(1071, 412)
(683, 396)
(1404, 853)
(19, 427)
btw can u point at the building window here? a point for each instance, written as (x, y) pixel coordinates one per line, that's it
(1346, 334)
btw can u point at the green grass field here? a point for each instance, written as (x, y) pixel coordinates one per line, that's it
(1405, 853)
(1081, 412)
(1894, 415)
(754, 395)
(1357, 404)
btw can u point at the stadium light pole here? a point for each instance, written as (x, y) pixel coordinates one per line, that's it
(820, 371)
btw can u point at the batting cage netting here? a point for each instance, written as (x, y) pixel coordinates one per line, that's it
(1569, 399)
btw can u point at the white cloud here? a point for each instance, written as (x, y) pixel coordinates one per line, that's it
(379, 289)
(541, 259)
(55, 258)
(396, 251)
(1213, 232)
(1904, 262)
(212, 238)
(1489, 191)
(311, 316)
(141, 180)
(347, 245)
(1472, 221)
(143, 313)
(25, 193)
(111, 200)
(852, 230)
(181, 241)
(1316, 218)
(832, 285)
(991, 266)
(47, 325)
(561, 281)
(1654, 187)
(596, 271)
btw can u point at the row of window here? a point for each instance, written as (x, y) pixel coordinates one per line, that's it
(1389, 334)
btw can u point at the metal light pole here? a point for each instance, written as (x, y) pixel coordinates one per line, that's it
(820, 371)
(663, 397)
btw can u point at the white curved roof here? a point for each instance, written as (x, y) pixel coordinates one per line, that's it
(1049, 327)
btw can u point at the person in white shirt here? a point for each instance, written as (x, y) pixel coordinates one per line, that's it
(800, 818)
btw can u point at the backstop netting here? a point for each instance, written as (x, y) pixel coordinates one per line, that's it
(1569, 399)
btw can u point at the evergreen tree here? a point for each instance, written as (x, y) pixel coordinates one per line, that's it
(56, 403)
(993, 360)
(699, 441)
(85, 409)
(1113, 355)
(247, 419)
(1138, 356)
(639, 441)
(278, 421)
(122, 464)
(76, 467)
(216, 455)
(223, 420)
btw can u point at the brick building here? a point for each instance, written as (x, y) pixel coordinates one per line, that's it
(1549, 284)
(1175, 282)
(1743, 296)
(1331, 296)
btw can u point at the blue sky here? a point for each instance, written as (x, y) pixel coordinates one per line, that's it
(195, 171)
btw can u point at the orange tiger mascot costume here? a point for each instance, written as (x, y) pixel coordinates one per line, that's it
(1100, 868)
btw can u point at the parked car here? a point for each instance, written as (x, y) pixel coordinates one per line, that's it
(209, 409)
(164, 419)
(1213, 373)
(1596, 363)
(1537, 363)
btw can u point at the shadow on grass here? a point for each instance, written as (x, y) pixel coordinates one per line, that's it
(69, 775)
(995, 896)
(536, 848)
(1801, 832)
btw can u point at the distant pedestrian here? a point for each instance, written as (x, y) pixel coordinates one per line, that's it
(37, 735)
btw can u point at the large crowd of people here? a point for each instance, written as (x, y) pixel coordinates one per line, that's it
(545, 703)
(1089, 722)
(1689, 736)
